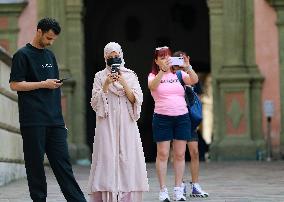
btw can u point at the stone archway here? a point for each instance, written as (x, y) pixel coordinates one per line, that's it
(179, 24)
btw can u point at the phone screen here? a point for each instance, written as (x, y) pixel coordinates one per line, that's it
(61, 80)
(115, 68)
(177, 61)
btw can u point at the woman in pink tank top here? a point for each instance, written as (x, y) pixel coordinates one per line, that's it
(171, 121)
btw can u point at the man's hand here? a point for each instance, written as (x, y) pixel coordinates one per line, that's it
(51, 83)
(28, 86)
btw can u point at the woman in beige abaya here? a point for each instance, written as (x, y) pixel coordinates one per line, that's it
(118, 170)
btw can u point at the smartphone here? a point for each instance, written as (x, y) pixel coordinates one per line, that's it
(177, 61)
(115, 68)
(61, 80)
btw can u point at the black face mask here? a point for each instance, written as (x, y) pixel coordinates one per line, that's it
(111, 61)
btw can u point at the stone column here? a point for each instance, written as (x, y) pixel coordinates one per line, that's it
(236, 81)
(56, 10)
(69, 53)
(9, 13)
(216, 49)
(75, 62)
(279, 7)
(256, 79)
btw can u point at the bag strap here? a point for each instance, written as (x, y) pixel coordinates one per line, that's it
(179, 75)
(186, 90)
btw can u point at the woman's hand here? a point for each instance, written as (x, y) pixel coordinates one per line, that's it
(128, 91)
(111, 78)
(186, 63)
(164, 64)
(121, 80)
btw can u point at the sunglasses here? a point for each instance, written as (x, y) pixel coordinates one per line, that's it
(164, 47)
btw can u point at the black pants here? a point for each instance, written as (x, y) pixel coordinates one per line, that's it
(37, 141)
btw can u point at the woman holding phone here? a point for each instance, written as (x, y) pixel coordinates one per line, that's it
(195, 188)
(171, 121)
(118, 170)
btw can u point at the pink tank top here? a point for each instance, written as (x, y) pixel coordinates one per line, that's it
(169, 95)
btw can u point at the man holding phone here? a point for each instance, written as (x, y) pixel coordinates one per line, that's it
(34, 75)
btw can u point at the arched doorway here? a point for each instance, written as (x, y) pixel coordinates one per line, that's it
(139, 27)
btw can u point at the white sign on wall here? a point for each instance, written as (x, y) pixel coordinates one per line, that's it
(268, 108)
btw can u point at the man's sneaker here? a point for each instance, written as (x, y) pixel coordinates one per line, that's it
(163, 195)
(178, 194)
(196, 191)
(183, 185)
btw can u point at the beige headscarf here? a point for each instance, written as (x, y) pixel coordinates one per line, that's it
(113, 46)
(110, 47)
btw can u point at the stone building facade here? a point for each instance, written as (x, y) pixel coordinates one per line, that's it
(246, 67)
(246, 64)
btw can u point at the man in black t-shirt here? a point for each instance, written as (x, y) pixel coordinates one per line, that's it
(35, 77)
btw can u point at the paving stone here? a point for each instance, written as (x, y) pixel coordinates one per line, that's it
(224, 181)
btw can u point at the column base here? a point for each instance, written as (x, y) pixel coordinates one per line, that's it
(78, 152)
(236, 148)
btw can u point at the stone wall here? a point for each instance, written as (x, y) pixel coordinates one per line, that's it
(11, 152)
(267, 59)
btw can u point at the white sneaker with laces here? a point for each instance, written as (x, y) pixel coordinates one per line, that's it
(196, 191)
(178, 194)
(164, 195)
(184, 187)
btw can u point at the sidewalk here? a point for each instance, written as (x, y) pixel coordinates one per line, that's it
(224, 181)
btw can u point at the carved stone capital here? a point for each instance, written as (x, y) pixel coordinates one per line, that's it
(215, 6)
(12, 7)
(277, 4)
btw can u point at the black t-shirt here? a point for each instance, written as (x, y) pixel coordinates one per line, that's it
(40, 107)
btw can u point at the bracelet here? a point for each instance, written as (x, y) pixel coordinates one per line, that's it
(188, 68)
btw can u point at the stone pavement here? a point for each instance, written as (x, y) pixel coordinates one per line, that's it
(224, 181)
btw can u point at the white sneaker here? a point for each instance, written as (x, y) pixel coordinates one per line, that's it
(196, 191)
(184, 187)
(178, 194)
(164, 195)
